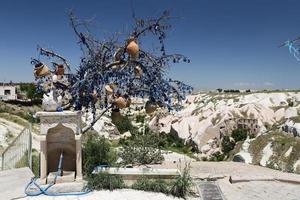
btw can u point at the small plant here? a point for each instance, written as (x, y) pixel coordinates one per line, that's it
(182, 184)
(103, 180)
(96, 150)
(204, 159)
(124, 124)
(140, 118)
(179, 187)
(217, 156)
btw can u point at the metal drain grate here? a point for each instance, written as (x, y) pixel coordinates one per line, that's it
(209, 190)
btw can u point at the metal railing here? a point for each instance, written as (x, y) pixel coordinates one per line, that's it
(18, 153)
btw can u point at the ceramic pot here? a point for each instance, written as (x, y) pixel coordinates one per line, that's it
(115, 116)
(60, 70)
(150, 107)
(120, 102)
(41, 70)
(138, 71)
(132, 48)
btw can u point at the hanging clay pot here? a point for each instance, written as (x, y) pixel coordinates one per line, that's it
(115, 116)
(132, 47)
(109, 89)
(120, 102)
(138, 71)
(60, 70)
(41, 70)
(150, 107)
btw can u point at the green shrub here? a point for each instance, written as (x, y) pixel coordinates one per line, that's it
(35, 162)
(217, 156)
(204, 159)
(104, 180)
(227, 145)
(182, 184)
(239, 134)
(179, 187)
(146, 184)
(140, 118)
(173, 143)
(141, 149)
(124, 124)
(96, 150)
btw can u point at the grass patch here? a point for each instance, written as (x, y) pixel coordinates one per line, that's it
(178, 187)
(257, 146)
(103, 180)
(15, 119)
(296, 119)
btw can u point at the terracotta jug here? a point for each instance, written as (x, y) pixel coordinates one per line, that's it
(132, 47)
(41, 70)
(60, 70)
(120, 102)
(115, 116)
(150, 107)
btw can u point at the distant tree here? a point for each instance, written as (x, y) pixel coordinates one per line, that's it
(239, 134)
(219, 90)
(30, 90)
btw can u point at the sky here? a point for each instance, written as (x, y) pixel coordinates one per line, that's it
(231, 44)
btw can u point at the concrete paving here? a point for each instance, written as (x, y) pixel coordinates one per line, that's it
(255, 183)
(13, 182)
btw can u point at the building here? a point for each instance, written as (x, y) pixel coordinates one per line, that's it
(8, 92)
(234, 123)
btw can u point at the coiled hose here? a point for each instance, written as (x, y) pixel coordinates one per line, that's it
(43, 190)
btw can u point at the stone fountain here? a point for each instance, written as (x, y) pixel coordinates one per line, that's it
(60, 132)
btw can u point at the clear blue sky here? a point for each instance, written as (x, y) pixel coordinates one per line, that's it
(231, 44)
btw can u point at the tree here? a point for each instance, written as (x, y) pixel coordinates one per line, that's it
(30, 90)
(219, 90)
(239, 134)
(115, 69)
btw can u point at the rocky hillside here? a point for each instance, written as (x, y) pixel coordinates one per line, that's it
(202, 114)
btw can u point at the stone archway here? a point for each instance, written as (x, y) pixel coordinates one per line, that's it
(61, 139)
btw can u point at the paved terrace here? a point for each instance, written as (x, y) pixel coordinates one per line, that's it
(252, 182)
(249, 183)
